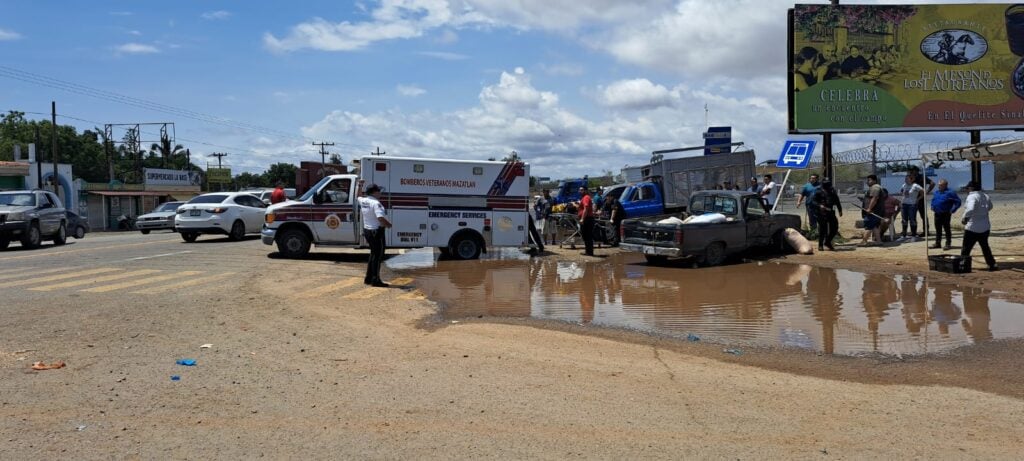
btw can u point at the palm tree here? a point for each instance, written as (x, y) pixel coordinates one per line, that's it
(166, 150)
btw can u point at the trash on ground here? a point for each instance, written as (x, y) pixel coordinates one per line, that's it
(80, 427)
(186, 362)
(206, 346)
(175, 378)
(733, 351)
(52, 366)
(692, 338)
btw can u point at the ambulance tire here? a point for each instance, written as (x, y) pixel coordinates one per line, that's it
(465, 245)
(293, 244)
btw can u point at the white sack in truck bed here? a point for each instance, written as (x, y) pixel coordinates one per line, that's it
(709, 218)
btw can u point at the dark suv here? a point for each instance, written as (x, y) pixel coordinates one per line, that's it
(32, 216)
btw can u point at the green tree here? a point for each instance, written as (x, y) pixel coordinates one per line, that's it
(284, 172)
(334, 159)
(248, 180)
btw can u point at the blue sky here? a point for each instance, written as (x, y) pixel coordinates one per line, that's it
(574, 87)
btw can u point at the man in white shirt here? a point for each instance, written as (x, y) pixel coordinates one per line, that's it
(769, 192)
(374, 222)
(912, 193)
(977, 225)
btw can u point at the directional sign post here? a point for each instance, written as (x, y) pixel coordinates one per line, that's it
(796, 154)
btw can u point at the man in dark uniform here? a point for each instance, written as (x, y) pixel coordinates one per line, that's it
(827, 202)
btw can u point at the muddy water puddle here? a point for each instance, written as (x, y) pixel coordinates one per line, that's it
(759, 304)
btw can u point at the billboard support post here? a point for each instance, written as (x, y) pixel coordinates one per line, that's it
(826, 156)
(976, 166)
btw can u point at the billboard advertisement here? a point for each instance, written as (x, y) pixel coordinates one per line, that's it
(218, 175)
(868, 68)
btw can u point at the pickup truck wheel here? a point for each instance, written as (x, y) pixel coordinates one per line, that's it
(714, 254)
(4, 242)
(293, 243)
(189, 236)
(31, 238)
(62, 235)
(465, 247)
(655, 260)
(80, 232)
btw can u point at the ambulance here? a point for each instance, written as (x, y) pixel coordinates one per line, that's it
(459, 206)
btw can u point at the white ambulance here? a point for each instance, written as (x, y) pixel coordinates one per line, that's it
(459, 206)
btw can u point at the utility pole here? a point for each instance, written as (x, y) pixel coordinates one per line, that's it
(53, 147)
(219, 156)
(378, 152)
(323, 156)
(39, 160)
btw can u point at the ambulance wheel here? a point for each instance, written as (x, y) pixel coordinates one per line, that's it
(293, 243)
(465, 246)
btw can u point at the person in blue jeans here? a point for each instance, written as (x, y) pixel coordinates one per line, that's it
(945, 202)
(807, 198)
(911, 192)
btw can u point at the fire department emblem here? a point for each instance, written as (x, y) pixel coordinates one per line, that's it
(332, 221)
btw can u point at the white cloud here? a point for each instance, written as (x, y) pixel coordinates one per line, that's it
(6, 34)
(636, 94)
(443, 55)
(134, 32)
(447, 37)
(215, 15)
(410, 90)
(513, 114)
(136, 48)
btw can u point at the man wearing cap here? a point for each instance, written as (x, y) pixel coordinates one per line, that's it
(827, 202)
(374, 222)
(586, 216)
(945, 202)
(807, 198)
(977, 225)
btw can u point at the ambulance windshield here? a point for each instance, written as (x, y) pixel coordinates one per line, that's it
(312, 190)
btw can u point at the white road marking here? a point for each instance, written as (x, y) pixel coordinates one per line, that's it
(159, 256)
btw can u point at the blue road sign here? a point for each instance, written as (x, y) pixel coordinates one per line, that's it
(796, 154)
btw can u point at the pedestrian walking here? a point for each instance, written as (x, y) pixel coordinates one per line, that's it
(874, 207)
(827, 202)
(278, 195)
(586, 216)
(375, 221)
(977, 225)
(945, 202)
(911, 193)
(806, 198)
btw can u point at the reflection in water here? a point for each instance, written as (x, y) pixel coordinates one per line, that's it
(768, 304)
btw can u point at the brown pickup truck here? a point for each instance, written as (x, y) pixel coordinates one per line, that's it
(746, 225)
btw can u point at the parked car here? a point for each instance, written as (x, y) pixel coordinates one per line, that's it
(32, 216)
(77, 225)
(264, 194)
(160, 218)
(234, 214)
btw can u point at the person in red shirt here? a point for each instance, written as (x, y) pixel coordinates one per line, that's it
(586, 214)
(278, 195)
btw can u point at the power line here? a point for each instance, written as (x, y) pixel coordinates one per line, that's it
(71, 87)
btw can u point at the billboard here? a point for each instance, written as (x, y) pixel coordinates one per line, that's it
(868, 68)
(717, 140)
(162, 177)
(218, 175)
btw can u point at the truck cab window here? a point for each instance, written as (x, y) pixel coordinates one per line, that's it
(754, 208)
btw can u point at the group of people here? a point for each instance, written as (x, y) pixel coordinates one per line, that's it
(880, 209)
(590, 208)
(811, 66)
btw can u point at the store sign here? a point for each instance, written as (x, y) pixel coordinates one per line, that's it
(161, 177)
(906, 67)
(717, 140)
(218, 175)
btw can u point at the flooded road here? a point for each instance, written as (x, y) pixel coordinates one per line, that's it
(761, 304)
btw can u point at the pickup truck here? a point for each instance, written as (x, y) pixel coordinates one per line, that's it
(746, 225)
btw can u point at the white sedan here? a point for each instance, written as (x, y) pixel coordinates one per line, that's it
(234, 214)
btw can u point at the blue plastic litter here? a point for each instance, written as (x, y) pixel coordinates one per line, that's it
(692, 338)
(187, 362)
(175, 378)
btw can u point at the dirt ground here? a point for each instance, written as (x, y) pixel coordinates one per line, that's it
(379, 377)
